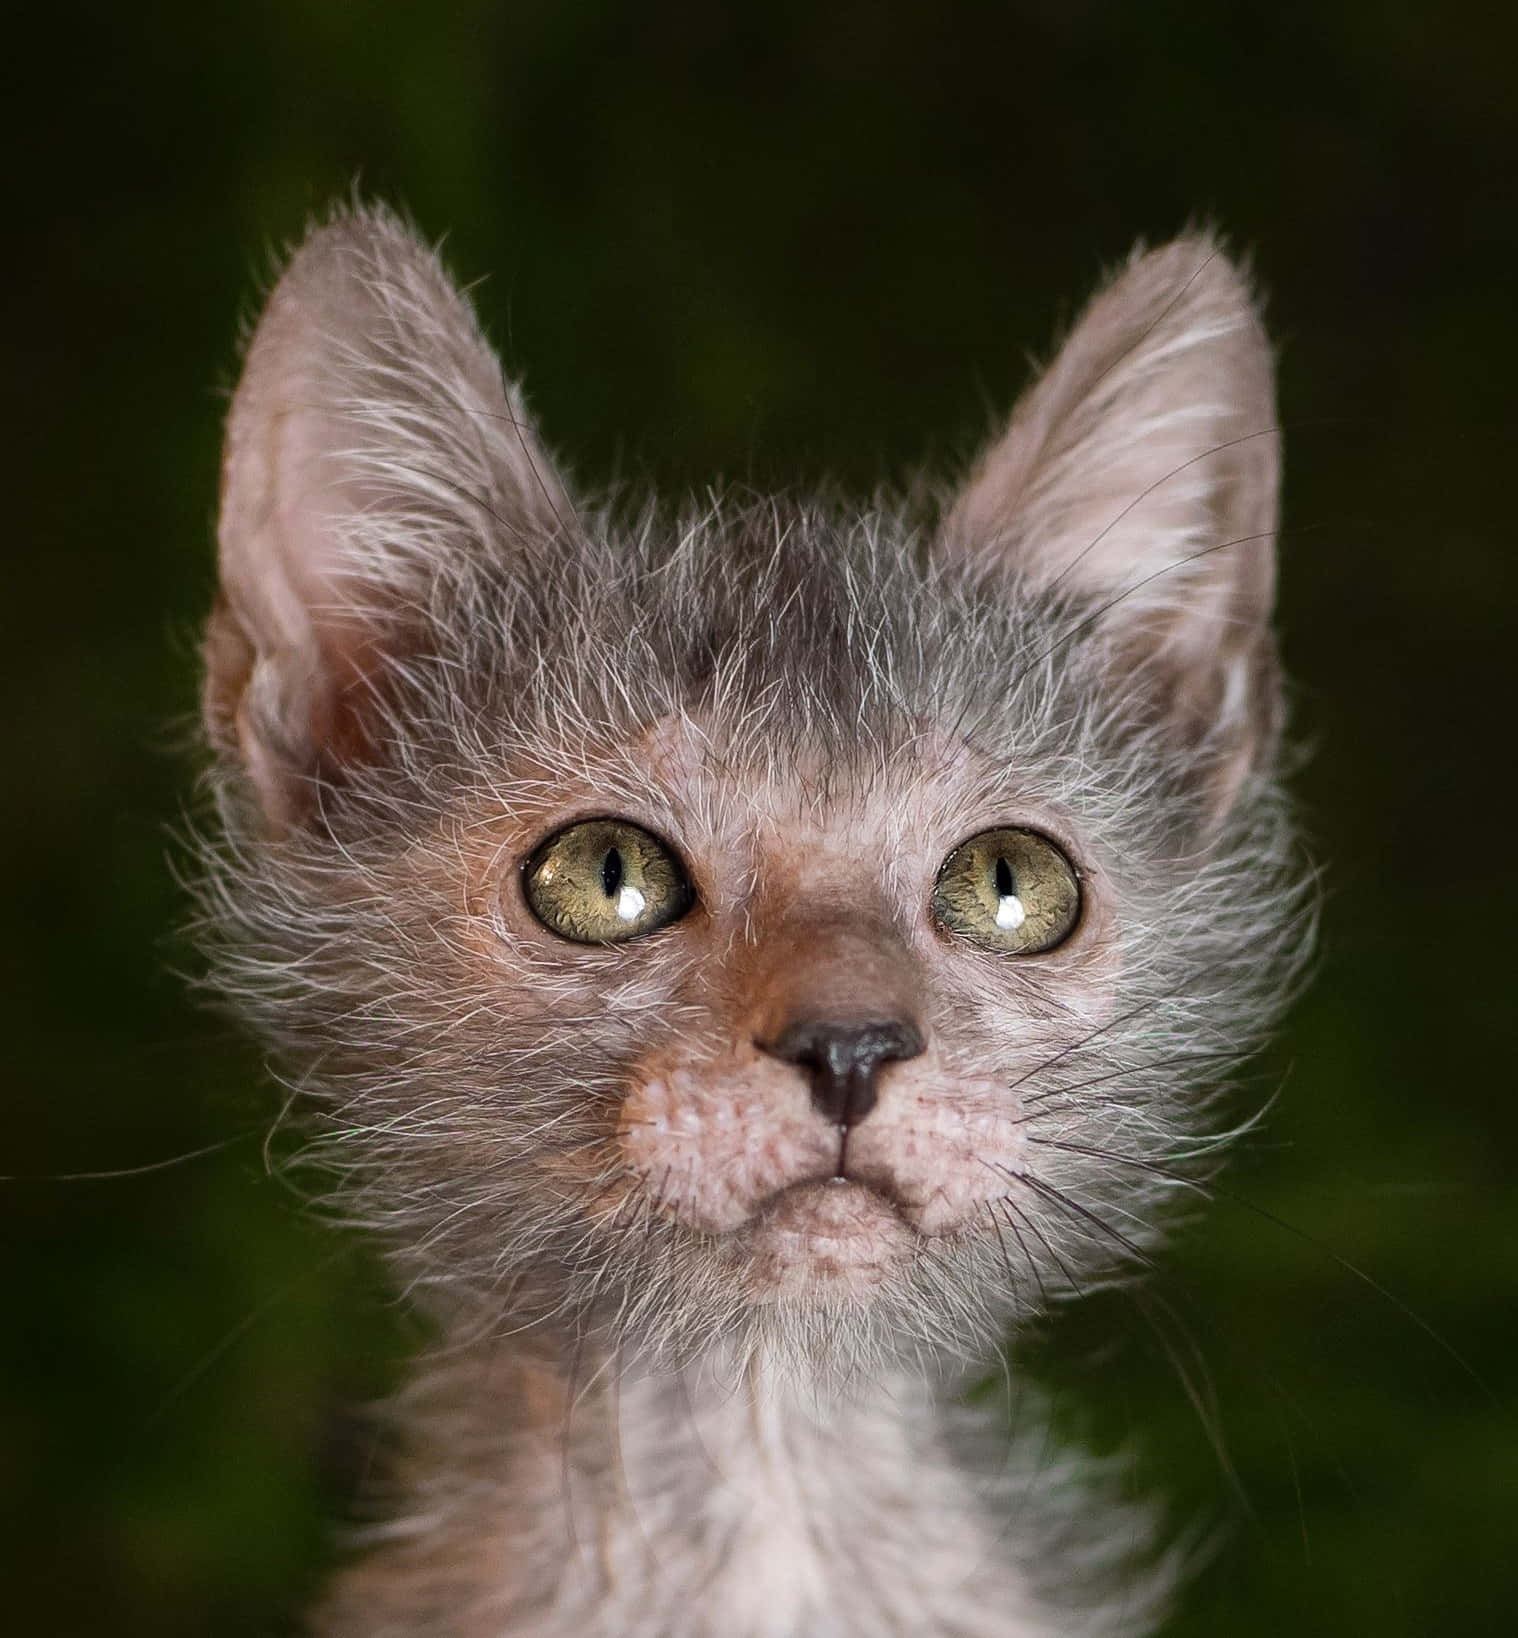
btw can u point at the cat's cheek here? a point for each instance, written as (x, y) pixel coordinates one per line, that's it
(710, 1146)
(1082, 979)
(945, 1153)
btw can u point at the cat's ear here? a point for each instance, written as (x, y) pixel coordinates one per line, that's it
(1138, 478)
(372, 442)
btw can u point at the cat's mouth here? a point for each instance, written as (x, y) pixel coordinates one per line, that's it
(826, 1232)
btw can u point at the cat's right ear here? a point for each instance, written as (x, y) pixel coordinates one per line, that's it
(372, 442)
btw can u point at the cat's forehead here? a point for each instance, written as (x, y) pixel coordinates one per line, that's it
(826, 697)
(720, 781)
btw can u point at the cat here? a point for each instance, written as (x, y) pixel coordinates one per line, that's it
(741, 958)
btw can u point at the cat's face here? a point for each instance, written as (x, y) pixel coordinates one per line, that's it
(649, 1105)
(820, 1066)
(769, 922)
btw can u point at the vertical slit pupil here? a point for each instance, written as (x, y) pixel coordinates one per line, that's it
(611, 872)
(1006, 883)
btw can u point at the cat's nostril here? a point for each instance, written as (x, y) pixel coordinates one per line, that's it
(842, 1060)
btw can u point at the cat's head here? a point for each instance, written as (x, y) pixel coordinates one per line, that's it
(755, 920)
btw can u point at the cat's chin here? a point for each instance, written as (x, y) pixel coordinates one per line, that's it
(834, 1238)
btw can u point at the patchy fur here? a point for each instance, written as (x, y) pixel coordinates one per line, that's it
(698, 1366)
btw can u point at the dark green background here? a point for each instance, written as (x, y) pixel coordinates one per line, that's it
(821, 240)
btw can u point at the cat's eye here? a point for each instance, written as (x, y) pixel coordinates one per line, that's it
(1011, 891)
(605, 880)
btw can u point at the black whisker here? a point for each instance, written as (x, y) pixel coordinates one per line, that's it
(1033, 1268)
(1001, 1240)
(1213, 1191)
(1059, 1198)
(1085, 1040)
(1118, 1074)
(1032, 1226)
(1096, 614)
(1159, 483)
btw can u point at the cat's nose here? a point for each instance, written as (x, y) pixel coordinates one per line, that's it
(842, 1061)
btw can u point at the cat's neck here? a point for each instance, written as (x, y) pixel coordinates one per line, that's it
(775, 1503)
(608, 1498)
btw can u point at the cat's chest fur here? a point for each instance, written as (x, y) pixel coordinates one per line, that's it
(681, 1506)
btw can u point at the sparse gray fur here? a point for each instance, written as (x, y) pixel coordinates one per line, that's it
(425, 658)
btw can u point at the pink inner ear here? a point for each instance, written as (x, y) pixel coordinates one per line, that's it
(1139, 475)
(1149, 438)
(292, 637)
(371, 438)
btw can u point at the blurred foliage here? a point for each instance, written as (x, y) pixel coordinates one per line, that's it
(774, 243)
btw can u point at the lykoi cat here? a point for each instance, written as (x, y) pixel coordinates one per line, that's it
(741, 957)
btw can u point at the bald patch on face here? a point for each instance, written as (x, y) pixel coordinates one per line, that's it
(715, 1142)
(813, 904)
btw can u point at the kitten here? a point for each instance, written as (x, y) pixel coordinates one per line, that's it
(741, 959)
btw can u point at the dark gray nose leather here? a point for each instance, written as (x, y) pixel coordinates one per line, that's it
(842, 1061)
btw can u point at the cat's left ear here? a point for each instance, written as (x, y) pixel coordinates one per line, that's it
(1137, 483)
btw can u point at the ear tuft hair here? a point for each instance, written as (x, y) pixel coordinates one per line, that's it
(1138, 477)
(371, 439)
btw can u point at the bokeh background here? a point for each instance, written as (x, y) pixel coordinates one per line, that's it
(819, 238)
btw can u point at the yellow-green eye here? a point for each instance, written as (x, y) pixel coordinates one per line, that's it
(1011, 891)
(605, 880)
